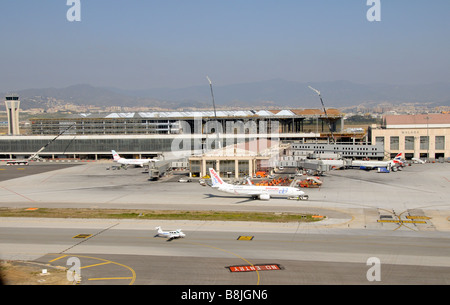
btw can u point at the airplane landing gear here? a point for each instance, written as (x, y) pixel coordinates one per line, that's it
(302, 197)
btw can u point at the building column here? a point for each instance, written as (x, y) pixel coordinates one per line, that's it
(236, 168)
(416, 146)
(203, 168)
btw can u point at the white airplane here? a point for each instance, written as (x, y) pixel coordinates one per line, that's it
(136, 162)
(397, 161)
(169, 234)
(256, 191)
(417, 160)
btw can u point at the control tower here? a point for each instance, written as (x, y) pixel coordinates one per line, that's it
(12, 104)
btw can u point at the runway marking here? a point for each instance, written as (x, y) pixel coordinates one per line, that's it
(411, 219)
(94, 265)
(402, 221)
(257, 272)
(82, 236)
(245, 238)
(58, 258)
(17, 194)
(89, 237)
(104, 262)
(110, 278)
(418, 217)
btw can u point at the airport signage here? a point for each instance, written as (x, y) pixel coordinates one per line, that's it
(249, 268)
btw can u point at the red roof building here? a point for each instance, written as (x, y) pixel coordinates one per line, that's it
(425, 136)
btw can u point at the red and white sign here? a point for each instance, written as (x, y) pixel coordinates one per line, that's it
(254, 268)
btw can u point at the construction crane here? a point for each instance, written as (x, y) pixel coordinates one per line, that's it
(35, 156)
(215, 114)
(325, 112)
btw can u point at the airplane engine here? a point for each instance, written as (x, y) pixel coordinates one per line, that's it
(264, 196)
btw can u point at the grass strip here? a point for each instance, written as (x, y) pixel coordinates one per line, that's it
(158, 214)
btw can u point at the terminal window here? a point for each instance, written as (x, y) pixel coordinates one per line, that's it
(394, 143)
(379, 140)
(409, 143)
(440, 143)
(424, 142)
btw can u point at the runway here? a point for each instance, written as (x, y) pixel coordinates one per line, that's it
(368, 215)
(126, 252)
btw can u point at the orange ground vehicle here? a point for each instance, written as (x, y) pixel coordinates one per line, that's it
(261, 174)
(310, 182)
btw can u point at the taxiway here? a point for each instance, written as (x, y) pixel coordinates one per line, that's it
(401, 218)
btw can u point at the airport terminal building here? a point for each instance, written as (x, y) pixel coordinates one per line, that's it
(191, 138)
(192, 135)
(424, 136)
(149, 134)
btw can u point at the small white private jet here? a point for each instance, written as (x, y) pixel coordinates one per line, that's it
(126, 162)
(255, 191)
(169, 234)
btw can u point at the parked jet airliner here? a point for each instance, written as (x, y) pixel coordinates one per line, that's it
(136, 162)
(397, 161)
(363, 164)
(255, 191)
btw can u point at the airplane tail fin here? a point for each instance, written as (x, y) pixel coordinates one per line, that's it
(159, 229)
(115, 155)
(215, 178)
(398, 158)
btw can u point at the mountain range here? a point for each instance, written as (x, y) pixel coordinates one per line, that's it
(276, 93)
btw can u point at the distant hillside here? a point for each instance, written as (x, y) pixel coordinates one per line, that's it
(294, 94)
(271, 93)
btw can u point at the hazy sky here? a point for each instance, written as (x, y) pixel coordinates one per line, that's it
(138, 44)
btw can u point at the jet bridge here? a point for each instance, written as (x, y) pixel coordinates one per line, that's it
(158, 169)
(315, 165)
